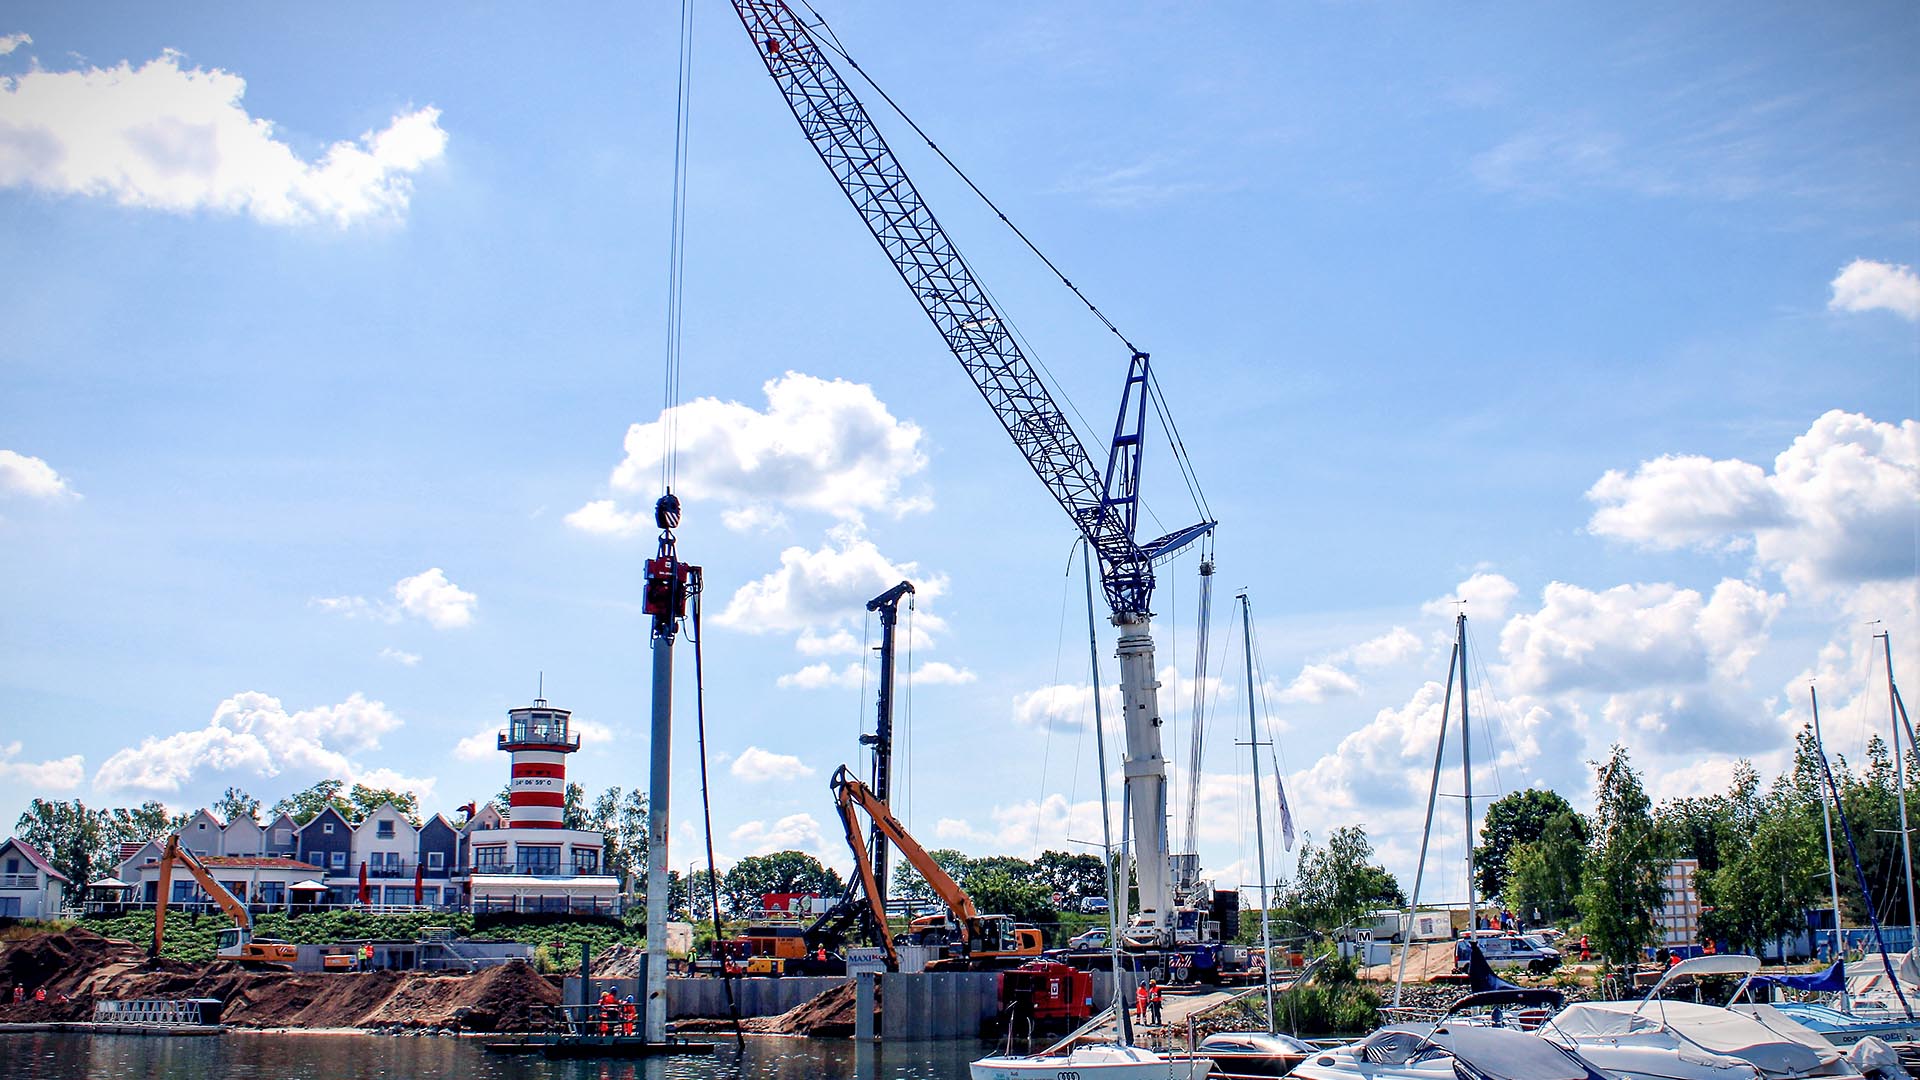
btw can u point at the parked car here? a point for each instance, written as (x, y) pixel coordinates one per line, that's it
(1095, 938)
(1509, 950)
(1093, 905)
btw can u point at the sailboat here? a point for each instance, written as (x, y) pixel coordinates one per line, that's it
(1119, 1059)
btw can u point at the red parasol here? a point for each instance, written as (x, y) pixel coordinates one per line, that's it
(419, 885)
(364, 891)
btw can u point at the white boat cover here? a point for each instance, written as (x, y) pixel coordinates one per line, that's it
(1713, 1029)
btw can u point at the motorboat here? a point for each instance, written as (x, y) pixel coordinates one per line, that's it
(1253, 1055)
(1449, 1051)
(1865, 1002)
(1105, 1061)
(1659, 1038)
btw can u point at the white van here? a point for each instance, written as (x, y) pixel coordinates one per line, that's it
(1509, 950)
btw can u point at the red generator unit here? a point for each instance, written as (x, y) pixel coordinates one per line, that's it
(1045, 994)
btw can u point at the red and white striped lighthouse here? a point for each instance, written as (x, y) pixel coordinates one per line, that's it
(539, 739)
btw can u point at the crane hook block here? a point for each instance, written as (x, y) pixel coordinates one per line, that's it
(666, 512)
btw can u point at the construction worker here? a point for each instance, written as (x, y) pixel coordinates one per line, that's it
(609, 1009)
(1153, 1000)
(1584, 954)
(40, 994)
(366, 957)
(628, 1013)
(1140, 1003)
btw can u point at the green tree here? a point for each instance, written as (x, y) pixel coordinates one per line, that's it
(137, 825)
(1073, 877)
(363, 800)
(304, 806)
(998, 891)
(72, 837)
(780, 872)
(620, 816)
(1335, 884)
(574, 810)
(1622, 882)
(1543, 882)
(235, 804)
(1518, 818)
(1766, 889)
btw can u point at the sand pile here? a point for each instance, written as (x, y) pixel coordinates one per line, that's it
(826, 1015)
(619, 962)
(86, 967)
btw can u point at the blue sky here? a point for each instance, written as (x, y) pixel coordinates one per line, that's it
(327, 327)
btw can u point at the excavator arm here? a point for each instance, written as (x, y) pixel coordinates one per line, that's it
(175, 853)
(849, 793)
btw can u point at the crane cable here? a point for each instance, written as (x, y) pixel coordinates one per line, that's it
(677, 253)
(831, 41)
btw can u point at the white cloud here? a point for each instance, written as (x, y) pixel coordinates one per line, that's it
(427, 595)
(432, 597)
(479, 746)
(826, 446)
(825, 586)
(31, 477)
(757, 766)
(602, 518)
(1866, 285)
(1316, 683)
(1485, 596)
(1065, 707)
(400, 656)
(840, 641)
(938, 673)
(251, 733)
(384, 779)
(821, 677)
(10, 42)
(795, 832)
(179, 139)
(1386, 650)
(59, 774)
(1622, 638)
(1838, 509)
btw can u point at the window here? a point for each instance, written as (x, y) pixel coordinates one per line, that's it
(327, 827)
(339, 860)
(436, 860)
(13, 866)
(384, 830)
(282, 837)
(272, 892)
(489, 859)
(586, 860)
(202, 826)
(537, 859)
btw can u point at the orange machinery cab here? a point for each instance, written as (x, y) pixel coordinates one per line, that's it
(338, 961)
(234, 944)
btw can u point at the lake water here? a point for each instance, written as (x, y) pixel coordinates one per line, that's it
(238, 1055)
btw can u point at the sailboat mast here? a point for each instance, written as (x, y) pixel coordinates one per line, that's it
(1466, 765)
(1826, 815)
(1259, 818)
(1426, 831)
(1900, 774)
(1116, 883)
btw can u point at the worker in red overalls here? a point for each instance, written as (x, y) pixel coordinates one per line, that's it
(609, 1010)
(1140, 1003)
(627, 1014)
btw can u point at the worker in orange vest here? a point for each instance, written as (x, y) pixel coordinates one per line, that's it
(627, 1014)
(1140, 1003)
(609, 1009)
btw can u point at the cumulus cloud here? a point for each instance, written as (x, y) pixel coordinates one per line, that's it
(427, 595)
(795, 832)
(400, 656)
(826, 586)
(756, 766)
(10, 42)
(1386, 650)
(939, 673)
(31, 477)
(1065, 706)
(1318, 682)
(1837, 510)
(839, 641)
(602, 517)
(1485, 596)
(821, 677)
(1866, 285)
(166, 137)
(58, 774)
(1617, 638)
(825, 446)
(432, 597)
(252, 733)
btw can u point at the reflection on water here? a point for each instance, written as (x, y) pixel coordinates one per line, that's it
(372, 1057)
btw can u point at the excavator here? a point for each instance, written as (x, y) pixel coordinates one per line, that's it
(236, 943)
(975, 942)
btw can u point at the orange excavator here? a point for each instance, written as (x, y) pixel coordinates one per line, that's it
(236, 943)
(975, 941)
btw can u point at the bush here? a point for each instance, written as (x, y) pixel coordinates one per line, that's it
(190, 936)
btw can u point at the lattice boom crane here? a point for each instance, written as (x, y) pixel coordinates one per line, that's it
(1105, 505)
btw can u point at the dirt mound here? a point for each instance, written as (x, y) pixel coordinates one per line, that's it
(619, 962)
(78, 968)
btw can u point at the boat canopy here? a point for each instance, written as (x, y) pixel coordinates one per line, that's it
(1505, 1054)
(1716, 1030)
(1500, 999)
(1832, 980)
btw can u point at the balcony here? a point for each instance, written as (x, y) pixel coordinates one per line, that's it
(19, 881)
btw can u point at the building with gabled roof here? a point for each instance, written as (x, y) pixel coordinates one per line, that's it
(30, 888)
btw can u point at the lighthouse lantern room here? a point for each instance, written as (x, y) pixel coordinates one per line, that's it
(539, 738)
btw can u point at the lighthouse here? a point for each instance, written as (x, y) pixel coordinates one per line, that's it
(539, 738)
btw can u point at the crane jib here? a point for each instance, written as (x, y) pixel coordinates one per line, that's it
(1103, 506)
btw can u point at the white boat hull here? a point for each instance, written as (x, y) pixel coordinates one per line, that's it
(1107, 1062)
